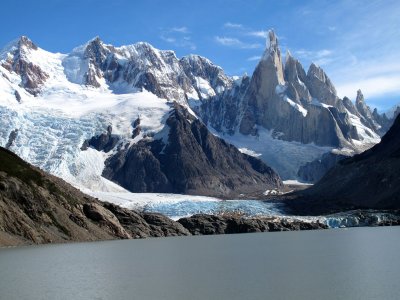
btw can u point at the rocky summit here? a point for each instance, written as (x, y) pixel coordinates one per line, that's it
(296, 105)
(189, 160)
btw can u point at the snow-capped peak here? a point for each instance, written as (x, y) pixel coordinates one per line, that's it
(20, 45)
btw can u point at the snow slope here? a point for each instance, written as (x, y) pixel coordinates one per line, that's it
(284, 157)
(53, 126)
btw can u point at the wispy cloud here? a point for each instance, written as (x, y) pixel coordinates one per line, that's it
(233, 25)
(320, 57)
(313, 54)
(178, 37)
(259, 34)
(364, 49)
(235, 42)
(253, 58)
(375, 78)
(168, 39)
(374, 86)
(182, 29)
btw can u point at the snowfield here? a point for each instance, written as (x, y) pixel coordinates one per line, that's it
(53, 126)
(52, 130)
(284, 157)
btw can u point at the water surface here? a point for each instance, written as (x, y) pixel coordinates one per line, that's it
(358, 263)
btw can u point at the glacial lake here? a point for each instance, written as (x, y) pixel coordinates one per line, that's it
(356, 263)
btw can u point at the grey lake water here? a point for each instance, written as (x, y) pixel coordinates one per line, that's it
(356, 263)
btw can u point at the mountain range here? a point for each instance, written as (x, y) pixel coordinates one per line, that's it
(140, 119)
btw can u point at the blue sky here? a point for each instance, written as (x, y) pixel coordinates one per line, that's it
(356, 42)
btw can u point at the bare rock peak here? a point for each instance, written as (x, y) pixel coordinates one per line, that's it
(288, 55)
(360, 97)
(273, 40)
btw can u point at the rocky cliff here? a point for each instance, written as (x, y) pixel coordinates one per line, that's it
(370, 180)
(36, 207)
(296, 105)
(189, 160)
(313, 171)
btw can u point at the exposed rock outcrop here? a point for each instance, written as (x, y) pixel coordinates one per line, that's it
(142, 225)
(191, 161)
(11, 138)
(210, 224)
(17, 96)
(365, 112)
(103, 142)
(315, 170)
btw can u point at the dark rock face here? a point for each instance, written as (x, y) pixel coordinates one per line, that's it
(136, 128)
(11, 138)
(104, 217)
(383, 121)
(138, 169)
(193, 161)
(142, 225)
(103, 142)
(210, 224)
(315, 170)
(17, 96)
(368, 180)
(39, 208)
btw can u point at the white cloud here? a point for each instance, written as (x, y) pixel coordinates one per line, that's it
(235, 42)
(323, 61)
(313, 55)
(364, 49)
(233, 25)
(168, 39)
(226, 41)
(178, 37)
(374, 86)
(260, 34)
(253, 58)
(376, 78)
(320, 57)
(182, 29)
